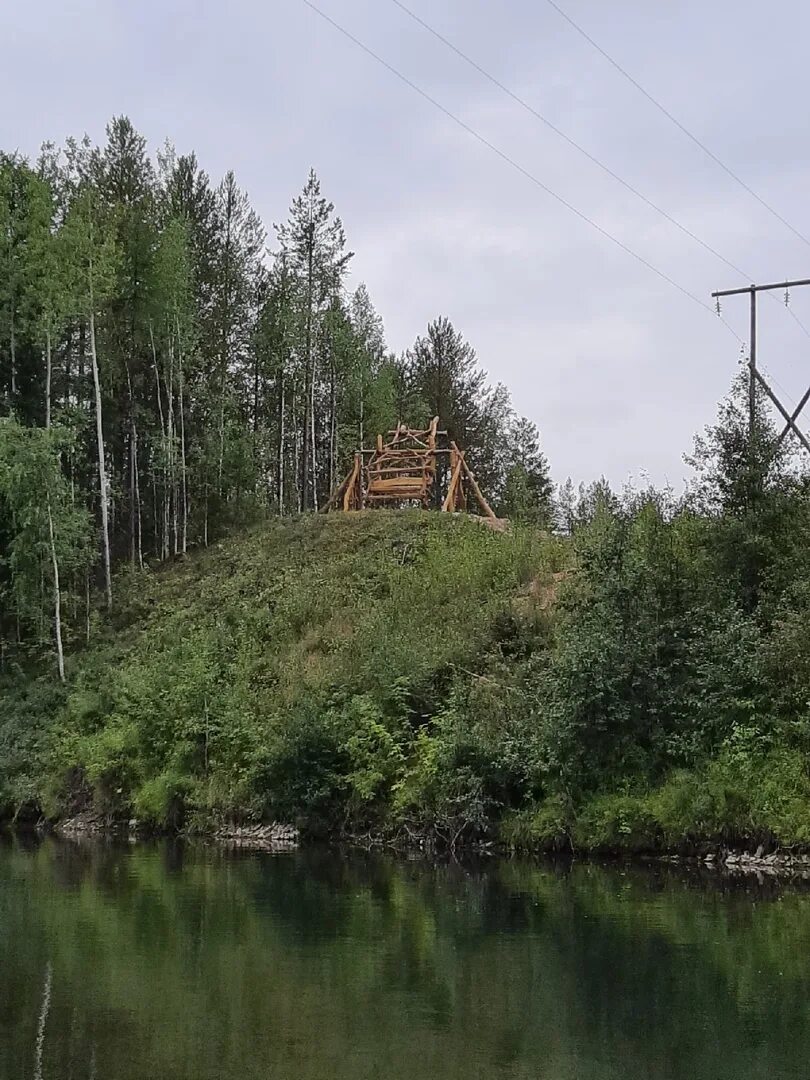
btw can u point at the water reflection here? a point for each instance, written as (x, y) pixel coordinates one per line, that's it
(162, 961)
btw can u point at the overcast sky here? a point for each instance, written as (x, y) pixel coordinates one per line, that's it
(617, 368)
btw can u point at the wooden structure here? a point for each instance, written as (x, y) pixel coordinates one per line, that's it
(402, 472)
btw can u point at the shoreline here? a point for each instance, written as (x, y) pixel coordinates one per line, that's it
(277, 837)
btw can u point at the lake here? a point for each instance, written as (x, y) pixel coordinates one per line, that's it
(161, 962)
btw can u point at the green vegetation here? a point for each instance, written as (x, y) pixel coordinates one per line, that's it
(292, 671)
(163, 376)
(638, 684)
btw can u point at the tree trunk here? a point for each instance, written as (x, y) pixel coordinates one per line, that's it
(162, 543)
(133, 457)
(297, 448)
(57, 597)
(280, 457)
(313, 456)
(183, 470)
(256, 391)
(138, 504)
(47, 378)
(102, 468)
(309, 384)
(13, 348)
(172, 450)
(362, 408)
(332, 421)
(57, 591)
(304, 477)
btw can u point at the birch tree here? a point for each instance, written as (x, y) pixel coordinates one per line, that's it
(47, 531)
(92, 256)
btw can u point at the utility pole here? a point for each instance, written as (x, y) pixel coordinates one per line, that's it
(755, 376)
(752, 363)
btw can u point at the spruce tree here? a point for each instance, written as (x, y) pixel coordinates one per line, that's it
(313, 244)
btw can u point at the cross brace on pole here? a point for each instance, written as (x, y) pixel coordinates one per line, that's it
(754, 374)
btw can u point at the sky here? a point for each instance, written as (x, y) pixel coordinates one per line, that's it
(616, 366)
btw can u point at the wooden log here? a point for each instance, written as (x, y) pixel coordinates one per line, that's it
(352, 499)
(482, 502)
(396, 483)
(451, 499)
(404, 469)
(336, 494)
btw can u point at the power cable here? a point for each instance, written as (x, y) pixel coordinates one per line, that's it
(515, 165)
(577, 146)
(571, 142)
(681, 127)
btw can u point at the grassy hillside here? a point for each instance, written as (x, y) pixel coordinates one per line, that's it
(417, 674)
(287, 672)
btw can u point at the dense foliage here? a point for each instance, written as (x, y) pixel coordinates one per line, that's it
(189, 377)
(640, 682)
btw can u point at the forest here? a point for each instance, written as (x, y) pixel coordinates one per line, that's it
(169, 369)
(185, 643)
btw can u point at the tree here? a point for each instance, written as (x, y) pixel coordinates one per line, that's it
(191, 379)
(13, 183)
(368, 355)
(313, 244)
(528, 490)
(443, 379)
(239, 240)
(743, 479)
(91, 259)
(48, 532)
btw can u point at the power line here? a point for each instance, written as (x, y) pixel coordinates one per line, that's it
(677, 122)
(797, 320)
(577, 146)
(514, 164)
(571, 142)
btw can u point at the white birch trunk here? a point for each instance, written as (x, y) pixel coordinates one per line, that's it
(102, 468)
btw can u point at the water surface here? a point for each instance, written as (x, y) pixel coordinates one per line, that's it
(160, 963)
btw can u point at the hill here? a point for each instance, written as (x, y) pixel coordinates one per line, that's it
(286, 671)
(420, 676)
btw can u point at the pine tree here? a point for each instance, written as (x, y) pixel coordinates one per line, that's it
(446, 381)
(314, 246)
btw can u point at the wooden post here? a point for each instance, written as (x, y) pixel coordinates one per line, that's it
(351, 499)
(451, 500)
(482, 502)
